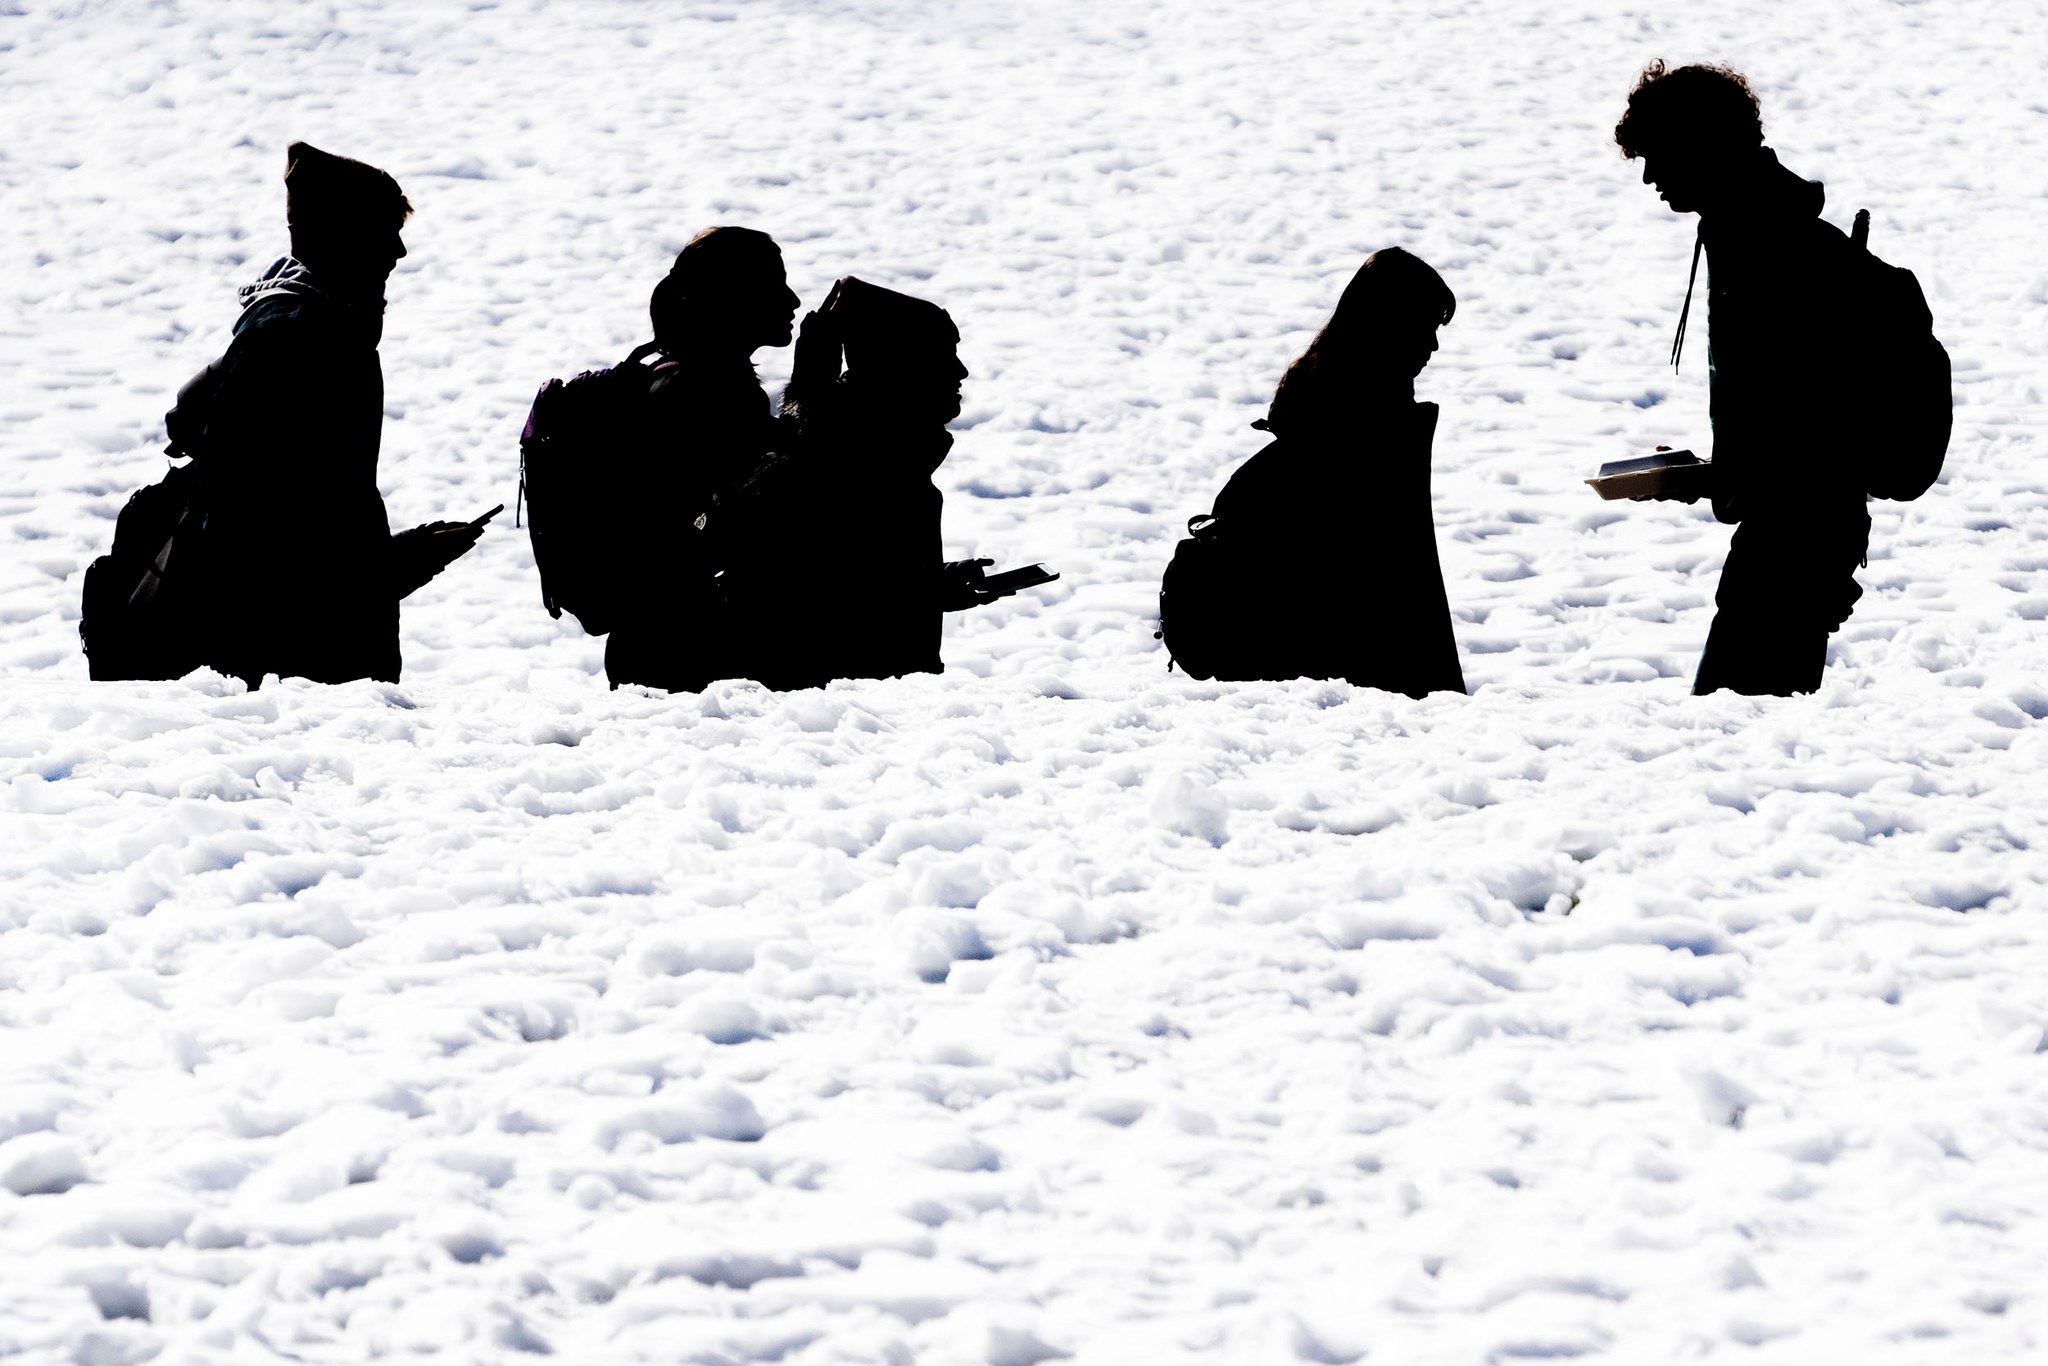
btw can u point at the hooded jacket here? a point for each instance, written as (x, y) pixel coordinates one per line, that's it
(1782, 312)
(302, 573)
(833, 552)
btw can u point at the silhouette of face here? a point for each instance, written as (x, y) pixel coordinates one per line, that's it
(352, 259)
(1404, 347)
(920, 383)
(762, 307)
(1687, 177)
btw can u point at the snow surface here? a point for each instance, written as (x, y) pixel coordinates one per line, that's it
(1058, 1007)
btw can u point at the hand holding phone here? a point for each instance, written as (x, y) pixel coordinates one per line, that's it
(1016, 580)
(965, 584)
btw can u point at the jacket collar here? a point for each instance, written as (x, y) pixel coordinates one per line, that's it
(1768, 194)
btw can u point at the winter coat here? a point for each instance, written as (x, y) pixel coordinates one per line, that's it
(833, 553)
(704, 425)
(1782, 318)
(1331, 527)
(301, 569)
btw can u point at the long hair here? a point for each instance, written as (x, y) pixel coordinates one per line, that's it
(1394, 291)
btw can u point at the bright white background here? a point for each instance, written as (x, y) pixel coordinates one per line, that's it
(1056, 1005)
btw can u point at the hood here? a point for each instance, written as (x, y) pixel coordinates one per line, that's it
(1773, 193)
(287, 276)
(290, 278)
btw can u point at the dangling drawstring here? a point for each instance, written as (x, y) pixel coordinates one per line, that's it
(1678, 342)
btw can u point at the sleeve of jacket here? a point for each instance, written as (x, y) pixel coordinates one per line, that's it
(276, 439)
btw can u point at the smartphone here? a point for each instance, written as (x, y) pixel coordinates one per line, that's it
(479, 522)
(1012, 580)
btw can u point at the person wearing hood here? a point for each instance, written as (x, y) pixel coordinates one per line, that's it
(1331, 536)
(705, 426)
(832, 551)
(303, 575)
(1781, 308)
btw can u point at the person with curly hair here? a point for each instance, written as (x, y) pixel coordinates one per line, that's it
(1781, 298)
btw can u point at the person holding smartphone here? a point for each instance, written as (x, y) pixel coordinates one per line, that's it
(834, 566)
(302, 575)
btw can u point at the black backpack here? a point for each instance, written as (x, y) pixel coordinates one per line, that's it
(1201, 603)
(143, 610)
(575, 461)
(140, 615)
(1906, 410)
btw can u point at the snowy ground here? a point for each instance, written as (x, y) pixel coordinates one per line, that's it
(1057, 1007)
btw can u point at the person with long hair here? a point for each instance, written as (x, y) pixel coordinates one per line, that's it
(1331, 543)
(1321, 551)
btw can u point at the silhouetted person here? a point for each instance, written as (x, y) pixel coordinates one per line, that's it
(1781, 301)
(707, 425)
(833, 552)
(1333, 569)
(304, 576)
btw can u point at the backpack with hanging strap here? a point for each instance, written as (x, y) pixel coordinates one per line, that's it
(1202, 601)
(576, 459)
(142, 614)
(1901, 411)
(1906, 407)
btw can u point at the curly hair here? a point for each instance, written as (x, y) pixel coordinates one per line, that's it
(1699, 104)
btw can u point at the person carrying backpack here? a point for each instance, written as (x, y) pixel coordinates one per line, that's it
(1319, 559)
(832, 554)
(702, 423)
(1826, 381)
(284, 559)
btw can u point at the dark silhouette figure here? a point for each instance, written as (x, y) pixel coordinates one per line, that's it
(705, 425)
(303, 576)
(1328, 564)
(1782, 303)
(832, 550)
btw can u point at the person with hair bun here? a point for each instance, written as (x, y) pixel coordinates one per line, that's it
(1326, 561)
(706, 425)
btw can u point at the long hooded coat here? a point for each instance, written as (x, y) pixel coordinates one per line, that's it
(833, 553)
(1332, 525)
